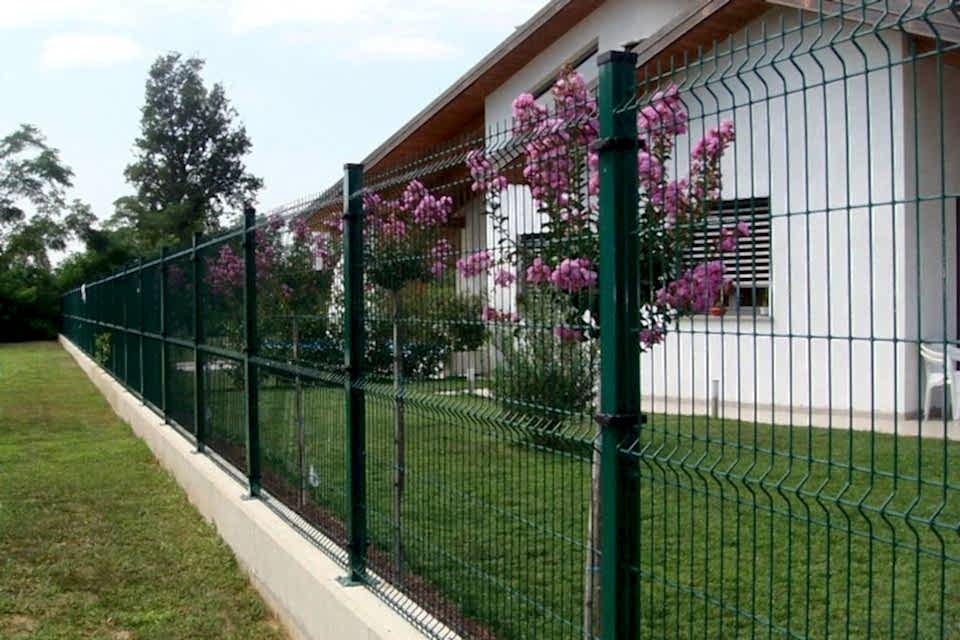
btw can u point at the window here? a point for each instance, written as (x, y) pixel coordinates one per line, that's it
(749, 265)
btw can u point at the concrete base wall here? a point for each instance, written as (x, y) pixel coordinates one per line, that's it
(296, 579)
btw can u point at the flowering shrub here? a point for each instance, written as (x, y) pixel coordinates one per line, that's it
(563, 178)
(402, 236)
(294, 270)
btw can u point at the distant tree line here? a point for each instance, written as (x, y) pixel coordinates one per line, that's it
(188, 175)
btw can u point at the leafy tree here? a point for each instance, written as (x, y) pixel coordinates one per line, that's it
(35, 217)
(106, 251)
(35, 220)
(189, 168)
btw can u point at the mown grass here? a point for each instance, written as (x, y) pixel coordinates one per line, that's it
(746, 530)
(96, 541)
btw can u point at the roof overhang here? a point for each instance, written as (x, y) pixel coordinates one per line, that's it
(459, 110)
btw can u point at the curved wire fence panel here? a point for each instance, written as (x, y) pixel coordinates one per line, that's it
(675, 355)
(805, 173)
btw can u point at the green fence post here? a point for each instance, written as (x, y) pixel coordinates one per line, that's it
(140, 302)
(250, 382)
(124, 292)
(354, 345)
(619, 349)
(199, 408)
(163, 332)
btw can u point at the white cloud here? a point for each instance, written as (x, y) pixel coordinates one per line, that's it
(422, 16)
(250, 15)
(74, 50)
(390, 47)
(38, 13)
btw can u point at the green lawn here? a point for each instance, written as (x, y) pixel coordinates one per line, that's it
(96, 540)
(745, 530)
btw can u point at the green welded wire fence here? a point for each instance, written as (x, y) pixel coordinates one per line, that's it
(672, 353)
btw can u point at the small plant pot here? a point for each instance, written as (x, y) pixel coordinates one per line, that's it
(717, 310)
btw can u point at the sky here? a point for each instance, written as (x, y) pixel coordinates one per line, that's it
(316, 83)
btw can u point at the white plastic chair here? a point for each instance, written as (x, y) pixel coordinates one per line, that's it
(934, 369)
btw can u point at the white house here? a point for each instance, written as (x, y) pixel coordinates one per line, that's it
(847, 160)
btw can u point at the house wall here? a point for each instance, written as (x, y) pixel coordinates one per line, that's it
(822, 138)
(827, 136)
(613, 24)
(931, 123)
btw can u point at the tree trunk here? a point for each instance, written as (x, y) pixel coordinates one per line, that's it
(398, 439)
(298, 417)
(591, 568)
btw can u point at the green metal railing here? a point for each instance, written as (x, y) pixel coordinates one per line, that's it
(652, 359)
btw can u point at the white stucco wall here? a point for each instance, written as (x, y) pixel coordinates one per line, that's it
(931, 123)
(828, 152)
(612, 24)
(828, 137)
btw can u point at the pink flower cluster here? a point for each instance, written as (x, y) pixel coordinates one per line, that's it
(705, 160)
(475, 264)
(550, 167)
(416, 205)
(650, 170)
(652, 335)
(538, 272)
(504, 278)
(663, 119)
(730, 235)
(490, 314)
(573, 274)
(485, 177)
(393, 227)
(226, 272)
(428, 210)
(301, 230)
(439, 253)
(672, 201)
(568, 334)
(696, 290)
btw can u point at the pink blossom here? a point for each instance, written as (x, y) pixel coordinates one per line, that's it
(549, 167)
(538, 272)
(393, 228)
(695, 290)
(413, 193)
(372, 202)
(321, 252)
(432, 211)
(649, 169)
(490, 314)
(225, 273)
(651, 336)
(440, 251)
(672, 201)
(286, 292)
(504, 278)
(527, 113)
(568, 334)
(300, 228)
(705, 160)
(574, 274)
(664, 118)
(593, 173)
(485, 178)
(730, 235)
(474, 264)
